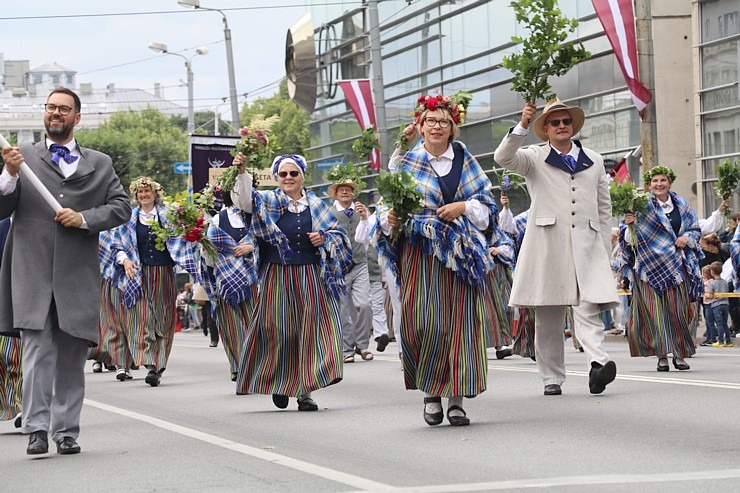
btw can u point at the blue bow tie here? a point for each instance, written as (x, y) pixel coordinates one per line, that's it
(61, 152)
(349, 212)
(569, 160)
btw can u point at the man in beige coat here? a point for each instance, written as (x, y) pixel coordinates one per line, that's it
(564, 259)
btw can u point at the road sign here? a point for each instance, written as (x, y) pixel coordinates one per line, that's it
(326, 164)
(182, 168)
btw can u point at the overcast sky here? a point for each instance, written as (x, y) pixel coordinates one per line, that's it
(114, 49)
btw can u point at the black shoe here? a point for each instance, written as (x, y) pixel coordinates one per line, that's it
(97, 367)
(18, 420)
(121, 375)
(233, 376)
(457, 420)
(38, 443)
(503, 353)
(110, 367)
(213, 344)
(307, 404)
(152, 378)
(433, 419)
(280, 401)
(600, 376)
(68, 446)
(382, 341)
(680, 366)
(553, 389)
(663, 367)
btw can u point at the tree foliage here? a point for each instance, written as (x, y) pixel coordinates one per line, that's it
(205, 122)
(544, 53)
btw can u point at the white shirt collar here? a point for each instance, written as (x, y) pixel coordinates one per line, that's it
(299, 205)
(667, 206)
(340, 208)
(449, 154)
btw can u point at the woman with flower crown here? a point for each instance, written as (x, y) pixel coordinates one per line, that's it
(441, 259)
(664, 263)
(145, 277)
(294, 342)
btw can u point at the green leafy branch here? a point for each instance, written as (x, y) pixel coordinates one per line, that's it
(626, 199)
(728, 180)
(400, 194)
(348, 172)
(366, 143)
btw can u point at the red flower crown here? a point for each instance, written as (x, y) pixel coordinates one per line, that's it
(439, 102)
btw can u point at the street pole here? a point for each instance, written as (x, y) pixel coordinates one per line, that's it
(191, 111)
(377, 80)
(645, 55)
(232, 78)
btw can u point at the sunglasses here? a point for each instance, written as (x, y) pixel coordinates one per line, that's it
(556, 123)
(293, 173)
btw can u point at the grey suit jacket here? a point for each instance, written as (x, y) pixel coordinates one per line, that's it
(44, 262)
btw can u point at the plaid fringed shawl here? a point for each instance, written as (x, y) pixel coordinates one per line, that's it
(659, 263)
(336, 252)
(106, 258)
(234, 275)
(498, 239)
(459, 245)
(124, 240)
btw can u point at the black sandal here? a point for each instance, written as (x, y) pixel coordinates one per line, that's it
(433, 419)
(457, 420)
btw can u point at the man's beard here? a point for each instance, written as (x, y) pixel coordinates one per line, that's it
(60, 132)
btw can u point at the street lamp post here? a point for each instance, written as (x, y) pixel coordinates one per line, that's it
(162, 48)
(229, 60)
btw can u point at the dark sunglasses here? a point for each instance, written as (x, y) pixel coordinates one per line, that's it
(556, 123)
(293, 173)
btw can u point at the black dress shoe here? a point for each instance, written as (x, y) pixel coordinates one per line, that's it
(280, 401)
(68, 446)
(152, 378)
(503, 353)
(307, 404)
(680, 366)
(18, 420)
(433, 419)
(97, 367)
(600, 376)
(382, 341)
(457, 420)
(38, 443)
(663, 367)
(213, 344)
(553, 389)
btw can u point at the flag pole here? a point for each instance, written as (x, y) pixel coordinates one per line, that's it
(645, 54)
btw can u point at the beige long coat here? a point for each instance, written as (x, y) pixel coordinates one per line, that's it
(564, 257)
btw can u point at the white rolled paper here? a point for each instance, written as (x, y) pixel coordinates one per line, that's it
(34, 181)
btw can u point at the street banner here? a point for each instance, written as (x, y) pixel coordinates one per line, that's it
(359, 96)
(618, 19)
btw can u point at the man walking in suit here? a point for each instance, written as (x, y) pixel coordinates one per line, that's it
(564, 257)
(50, 279)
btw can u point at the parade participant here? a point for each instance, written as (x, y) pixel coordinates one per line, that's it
(497, 316)
(235, 277)
(293, 344)
(355, 309)
(50, 276)
(146, 278)
(10, 361)
(665, 266)
(564, 258)
(441, 263)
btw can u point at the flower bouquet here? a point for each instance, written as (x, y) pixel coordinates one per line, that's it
(366, 143)
(256, 146)
(184, 220)
(509, 180)
(400, 194)
(627, 200)
(728, 179)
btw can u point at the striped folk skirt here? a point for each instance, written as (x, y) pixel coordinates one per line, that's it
(233, 321)
(660, 324)
(149, 325)
(497, 315)
(443, 342)
(10, 377)
(524, 336)
(112, 348)
(294, 341)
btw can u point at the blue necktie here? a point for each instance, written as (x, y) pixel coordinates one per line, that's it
(570, 161)
(61, 152)
(349, 212)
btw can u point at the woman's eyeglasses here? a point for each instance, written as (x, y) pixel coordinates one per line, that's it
(431, 122)
(556, 123)
(293, 173)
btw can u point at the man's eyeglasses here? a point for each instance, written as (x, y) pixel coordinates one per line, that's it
(556, 123)
(431, 122)
(293, 173)
(51, 108)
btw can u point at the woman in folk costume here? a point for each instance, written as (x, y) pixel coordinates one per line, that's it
(146, 278)
(497, 316)
(10, 361)
(441, 263)
(294, 342)
(665, 266)
(112, 344)
(235, 276)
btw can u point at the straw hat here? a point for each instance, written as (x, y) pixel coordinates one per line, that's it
(576, 114)
(345, 182)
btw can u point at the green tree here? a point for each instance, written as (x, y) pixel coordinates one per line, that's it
(141, 143)
(204, 123)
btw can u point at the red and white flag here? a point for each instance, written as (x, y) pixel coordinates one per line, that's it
(618, 19)
(359, 96)
(621, 172)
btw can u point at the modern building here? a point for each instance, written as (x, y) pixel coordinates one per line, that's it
(450, 45)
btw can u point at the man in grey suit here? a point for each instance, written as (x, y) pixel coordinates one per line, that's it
(564, 257)
(50, 279)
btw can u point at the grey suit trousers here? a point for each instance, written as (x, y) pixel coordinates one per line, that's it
(53, 380)
(355, 310)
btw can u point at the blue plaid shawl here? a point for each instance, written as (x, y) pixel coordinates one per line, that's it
(336, 252)
(498, 239)
(659, 262)
(106, 258)
(124, 240)
(459, 245)
(735, 252)
(234, 275)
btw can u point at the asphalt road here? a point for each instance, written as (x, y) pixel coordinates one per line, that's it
(650, 431)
